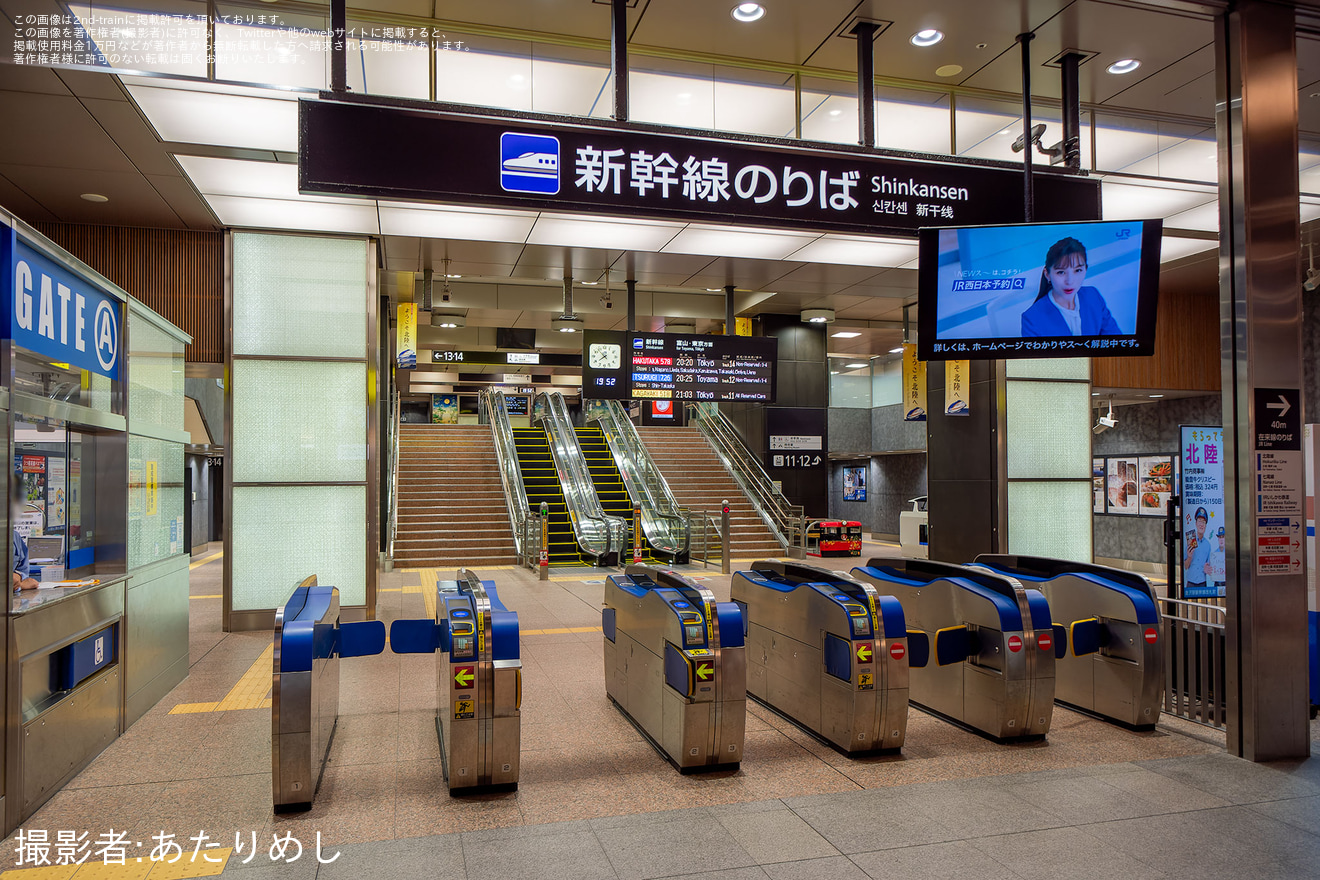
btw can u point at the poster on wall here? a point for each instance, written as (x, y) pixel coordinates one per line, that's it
(56, 493)
(955, 388)
(1121, 485)
(854, 484)
(1202, 491)
(1097, 485)
(914, 385)
(444, 409)
(406, 338)
(1155, 477)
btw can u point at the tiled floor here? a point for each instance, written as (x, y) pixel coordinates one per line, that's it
(595, 800)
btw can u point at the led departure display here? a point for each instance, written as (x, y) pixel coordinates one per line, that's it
(617, 365)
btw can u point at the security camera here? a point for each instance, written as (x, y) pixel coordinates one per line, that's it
(1104, 423)
(1312, 280)
(607, 302)
(1037, 132)
(444, 295)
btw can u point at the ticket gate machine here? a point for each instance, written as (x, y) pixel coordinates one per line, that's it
(675, 665)
(992, 666)
(829, 653)
(479, 695)
(1113, 665)
(309, 640)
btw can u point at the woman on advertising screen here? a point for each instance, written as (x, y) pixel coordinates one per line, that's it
(1064, 307)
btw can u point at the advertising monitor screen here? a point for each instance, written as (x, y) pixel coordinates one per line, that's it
(1039, 290)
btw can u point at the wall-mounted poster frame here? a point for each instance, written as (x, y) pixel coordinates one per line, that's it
(1133, 484)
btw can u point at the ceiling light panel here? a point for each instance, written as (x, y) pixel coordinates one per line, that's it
(828, 118)
(570, 88)
(189, 116)
(1205, 218)
(237, 177)
(1172, 248)
(461, 223)
(922, 128)
(725, 241)
(485, 78)
(1122, 201)
(756, 109)
(851, 250)
(311, 216)
(667, 99)
(571, 231)
(269, 56)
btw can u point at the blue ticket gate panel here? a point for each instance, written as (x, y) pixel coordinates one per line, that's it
(1109, 643)
(675, 665)
(309, 640)
(992, 645)
(479, 682)
(829, 653)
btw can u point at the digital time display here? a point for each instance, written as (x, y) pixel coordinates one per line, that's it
(617, 365)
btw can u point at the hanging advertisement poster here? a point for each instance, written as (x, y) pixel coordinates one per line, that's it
(1097, 485)
(1202, 467)
(955, 388)
(1121, 485)
(444, 409)
(56, 492)
(914, 385)
(1155, 484)
(406, 340)
(854, 484)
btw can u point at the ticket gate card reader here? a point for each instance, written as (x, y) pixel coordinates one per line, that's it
(1109, 642)
(829, 653)
(479, 677)
(993, 645)
(309, 640)
(675, 666)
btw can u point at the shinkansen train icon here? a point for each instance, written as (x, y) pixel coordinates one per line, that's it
(529, 163)
(533, 165)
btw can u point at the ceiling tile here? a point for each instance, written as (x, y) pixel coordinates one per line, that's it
(23, 78)
(68, 137)
(133, 201)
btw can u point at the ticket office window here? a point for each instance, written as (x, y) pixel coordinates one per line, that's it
(51, 383)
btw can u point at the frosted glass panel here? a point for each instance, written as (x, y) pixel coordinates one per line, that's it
(299, 421)
(155, 376)
(1050, 368)
(1050, 519)
(296, 295)
(282, 534)
(1049, 429)
(155, 500)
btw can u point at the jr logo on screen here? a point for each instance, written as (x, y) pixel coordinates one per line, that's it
(529, 163)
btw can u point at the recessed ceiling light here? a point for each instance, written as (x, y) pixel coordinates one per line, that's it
(836, 112)
(948, 70)
(982, 45)
(713, 290)
(927, 37)
(855, 366)
(818, 316)
(591, 283)
(898, 350)
(94, 197)
(1127, 65)
(1157, 395)
(845, 334)
(748, 12)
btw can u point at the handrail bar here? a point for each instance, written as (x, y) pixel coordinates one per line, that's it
(491, 403)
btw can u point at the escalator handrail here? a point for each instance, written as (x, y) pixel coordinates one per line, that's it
(597, 533)
(784, 519)
(506, 454)
(665, 527)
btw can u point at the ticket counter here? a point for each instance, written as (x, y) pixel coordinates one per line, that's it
(93, 403)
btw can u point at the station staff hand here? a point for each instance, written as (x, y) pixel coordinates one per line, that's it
(22, 583)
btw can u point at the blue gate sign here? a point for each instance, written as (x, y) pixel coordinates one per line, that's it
(58, 314)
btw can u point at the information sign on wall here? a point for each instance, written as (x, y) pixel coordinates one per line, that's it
(1277, 415)
(617, 365)
(1203, 539)
(955, 388)
(914, 385)
(406, 338)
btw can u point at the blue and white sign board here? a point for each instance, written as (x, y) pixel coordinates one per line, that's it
(529, 163)
(1203, 541)
(58, 314)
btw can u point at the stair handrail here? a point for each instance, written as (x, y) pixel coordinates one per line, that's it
(784, 519)
(597, 533)
(396, 406)
(664, 526)
(506, 454)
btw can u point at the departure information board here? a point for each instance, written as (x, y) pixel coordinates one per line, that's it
(617, 365)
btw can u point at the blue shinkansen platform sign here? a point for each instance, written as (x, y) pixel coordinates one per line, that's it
(56, 313)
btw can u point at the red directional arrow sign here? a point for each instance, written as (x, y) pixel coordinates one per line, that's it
(865, 652)
(464, 677)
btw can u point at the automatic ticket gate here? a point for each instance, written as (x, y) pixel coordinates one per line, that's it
(479, 695)
(309, 640)
(675, 665)
(829, 653)
(993, 645)
(1114, 662)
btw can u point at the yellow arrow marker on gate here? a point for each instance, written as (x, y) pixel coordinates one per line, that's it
(864, 652)
(464, 676)
(704, 671)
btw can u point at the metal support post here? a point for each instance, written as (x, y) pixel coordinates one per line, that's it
(545, 542)
(619, 57)
(726, 548)
(338, 45)
(730, 320)
(1072, 111)
(637, 533)
(1028, 148)
(865, 33)
(632, 304)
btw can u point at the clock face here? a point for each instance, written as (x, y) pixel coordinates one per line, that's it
(604, 356)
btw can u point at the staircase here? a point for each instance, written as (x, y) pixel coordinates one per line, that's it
(541, 481)
(700, 482)
(605, 477)
(451, 503)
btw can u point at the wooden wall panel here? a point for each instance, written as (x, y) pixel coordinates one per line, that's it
(178, 273)
(1186, 339)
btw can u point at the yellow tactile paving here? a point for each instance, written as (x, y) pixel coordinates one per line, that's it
(212, 558)
(190, 708)
(250, 692)
(555, 632)
(132, 869)
(187, 866)
(46, 872)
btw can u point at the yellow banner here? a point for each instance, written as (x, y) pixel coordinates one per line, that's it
(955, 388)
(914, 385)
(153, 488)
(742, 326)
(407, 336)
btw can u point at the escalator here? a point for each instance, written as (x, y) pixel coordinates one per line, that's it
(611, 491)
(541, 482)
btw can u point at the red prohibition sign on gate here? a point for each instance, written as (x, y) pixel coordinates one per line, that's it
(1151, 635)
(1045, 640)
(897, 650)
(1015, 643)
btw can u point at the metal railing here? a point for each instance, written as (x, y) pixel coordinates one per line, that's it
(598, 534)
(705, 543)
(786, 521)
(1194, 670)
(665, 528)
(392, 503)
(491, 407)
